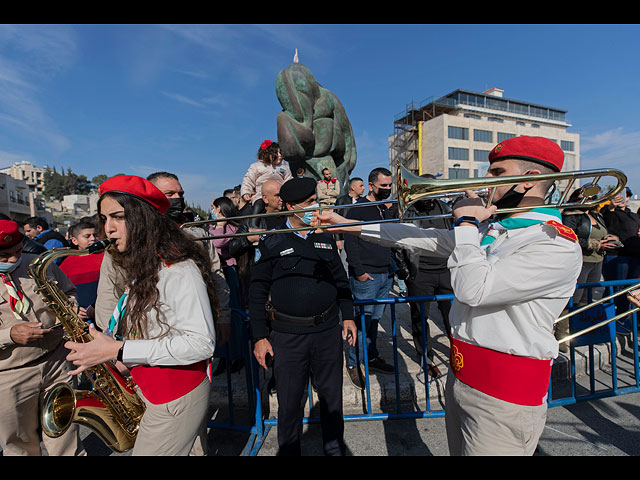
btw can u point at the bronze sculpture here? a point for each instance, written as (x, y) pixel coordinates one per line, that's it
(313, 129)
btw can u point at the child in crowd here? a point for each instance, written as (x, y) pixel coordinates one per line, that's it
(270, 165)
(84, 270)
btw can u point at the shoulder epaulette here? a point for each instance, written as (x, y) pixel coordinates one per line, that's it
(563, 230)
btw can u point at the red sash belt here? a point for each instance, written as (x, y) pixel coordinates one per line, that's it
(514, 379)
(164, 384)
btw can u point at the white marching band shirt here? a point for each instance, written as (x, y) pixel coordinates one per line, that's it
(509, 293)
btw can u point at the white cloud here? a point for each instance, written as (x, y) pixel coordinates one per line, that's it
(29, 56)
(616, 148)
(183, 99)
(616, 140)
(9, 158)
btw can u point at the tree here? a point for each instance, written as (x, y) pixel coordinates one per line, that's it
(99, 179)
(57, 185)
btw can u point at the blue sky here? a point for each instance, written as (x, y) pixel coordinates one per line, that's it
(198, 100)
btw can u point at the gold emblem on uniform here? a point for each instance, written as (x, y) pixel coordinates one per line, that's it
(457, 360)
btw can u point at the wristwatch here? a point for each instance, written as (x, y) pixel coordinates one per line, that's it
(120, 352)
(462, 219)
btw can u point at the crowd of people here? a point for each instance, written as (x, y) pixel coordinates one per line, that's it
(163, 303)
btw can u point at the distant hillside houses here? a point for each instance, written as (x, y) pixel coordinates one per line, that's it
(22, 188)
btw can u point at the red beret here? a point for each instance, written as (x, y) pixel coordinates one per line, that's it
(533, 149)
(138, 187)
(9, 234)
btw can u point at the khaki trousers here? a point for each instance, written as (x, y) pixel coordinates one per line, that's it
(478, 424)
(22, 391)
(171, 429)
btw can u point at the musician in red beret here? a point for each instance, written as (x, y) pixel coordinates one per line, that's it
(162, 330)
(32, 353)
(512, 275)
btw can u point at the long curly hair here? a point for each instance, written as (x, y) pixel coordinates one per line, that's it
(268, 152)
(152, 239)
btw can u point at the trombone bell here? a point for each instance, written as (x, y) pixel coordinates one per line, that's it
(411, 187)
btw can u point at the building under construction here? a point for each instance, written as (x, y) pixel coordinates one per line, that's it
(451, 136)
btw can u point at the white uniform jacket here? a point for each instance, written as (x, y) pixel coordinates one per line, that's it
(185, 333)
(507, 295)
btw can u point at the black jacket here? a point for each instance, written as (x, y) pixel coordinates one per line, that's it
(580, 223)
(301, 277)
(240, 245)
(410, 262)
(626, 225)
(342, 200)
(362, 256)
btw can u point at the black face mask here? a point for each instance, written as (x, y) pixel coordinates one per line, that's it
(383, 193)
(176, 207)
(511, 199)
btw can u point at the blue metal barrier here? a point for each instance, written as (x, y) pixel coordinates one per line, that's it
(260, 427)
(606, 334)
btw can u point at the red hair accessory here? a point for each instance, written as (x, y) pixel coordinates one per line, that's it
(265, 144)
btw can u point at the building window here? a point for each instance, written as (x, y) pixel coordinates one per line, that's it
(458, 173)
(481, 155)
(458, 153)
(495, 119)
(459, 133)
(566, 145)
(472, 115)
(539, 112)
(483, 136)
(504, 136)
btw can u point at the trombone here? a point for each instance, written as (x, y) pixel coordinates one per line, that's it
(411, 188)
(595, 326)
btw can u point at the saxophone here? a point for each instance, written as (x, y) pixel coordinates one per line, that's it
(111, 409)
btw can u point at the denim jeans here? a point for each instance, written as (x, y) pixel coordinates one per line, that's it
(617, 267)
(379, 287)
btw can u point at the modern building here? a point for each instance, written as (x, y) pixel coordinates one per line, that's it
(32, 175)
(18, 201)
(451, 136)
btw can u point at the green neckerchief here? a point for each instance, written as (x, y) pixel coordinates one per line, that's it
(532, 217)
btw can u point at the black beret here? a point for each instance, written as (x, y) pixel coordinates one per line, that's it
(297, 189)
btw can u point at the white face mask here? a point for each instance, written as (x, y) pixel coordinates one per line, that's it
(8, 267)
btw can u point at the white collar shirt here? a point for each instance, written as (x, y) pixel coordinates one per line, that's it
(507, 295)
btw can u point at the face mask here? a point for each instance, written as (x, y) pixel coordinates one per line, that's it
(176, 207)
(307, 217)
(214, 216)
(511, 199)
(8, 267)
(383, 193)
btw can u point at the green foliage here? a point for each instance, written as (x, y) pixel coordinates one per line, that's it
(99, 179)
(57, 185)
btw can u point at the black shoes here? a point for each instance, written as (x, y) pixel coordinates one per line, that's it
(356, 376)
(380, 366)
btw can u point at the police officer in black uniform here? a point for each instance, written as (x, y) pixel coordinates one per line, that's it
(298, 291)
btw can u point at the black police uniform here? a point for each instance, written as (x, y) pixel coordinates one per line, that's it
(304, 285)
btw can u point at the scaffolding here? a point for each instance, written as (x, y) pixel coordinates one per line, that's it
(405, 143)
